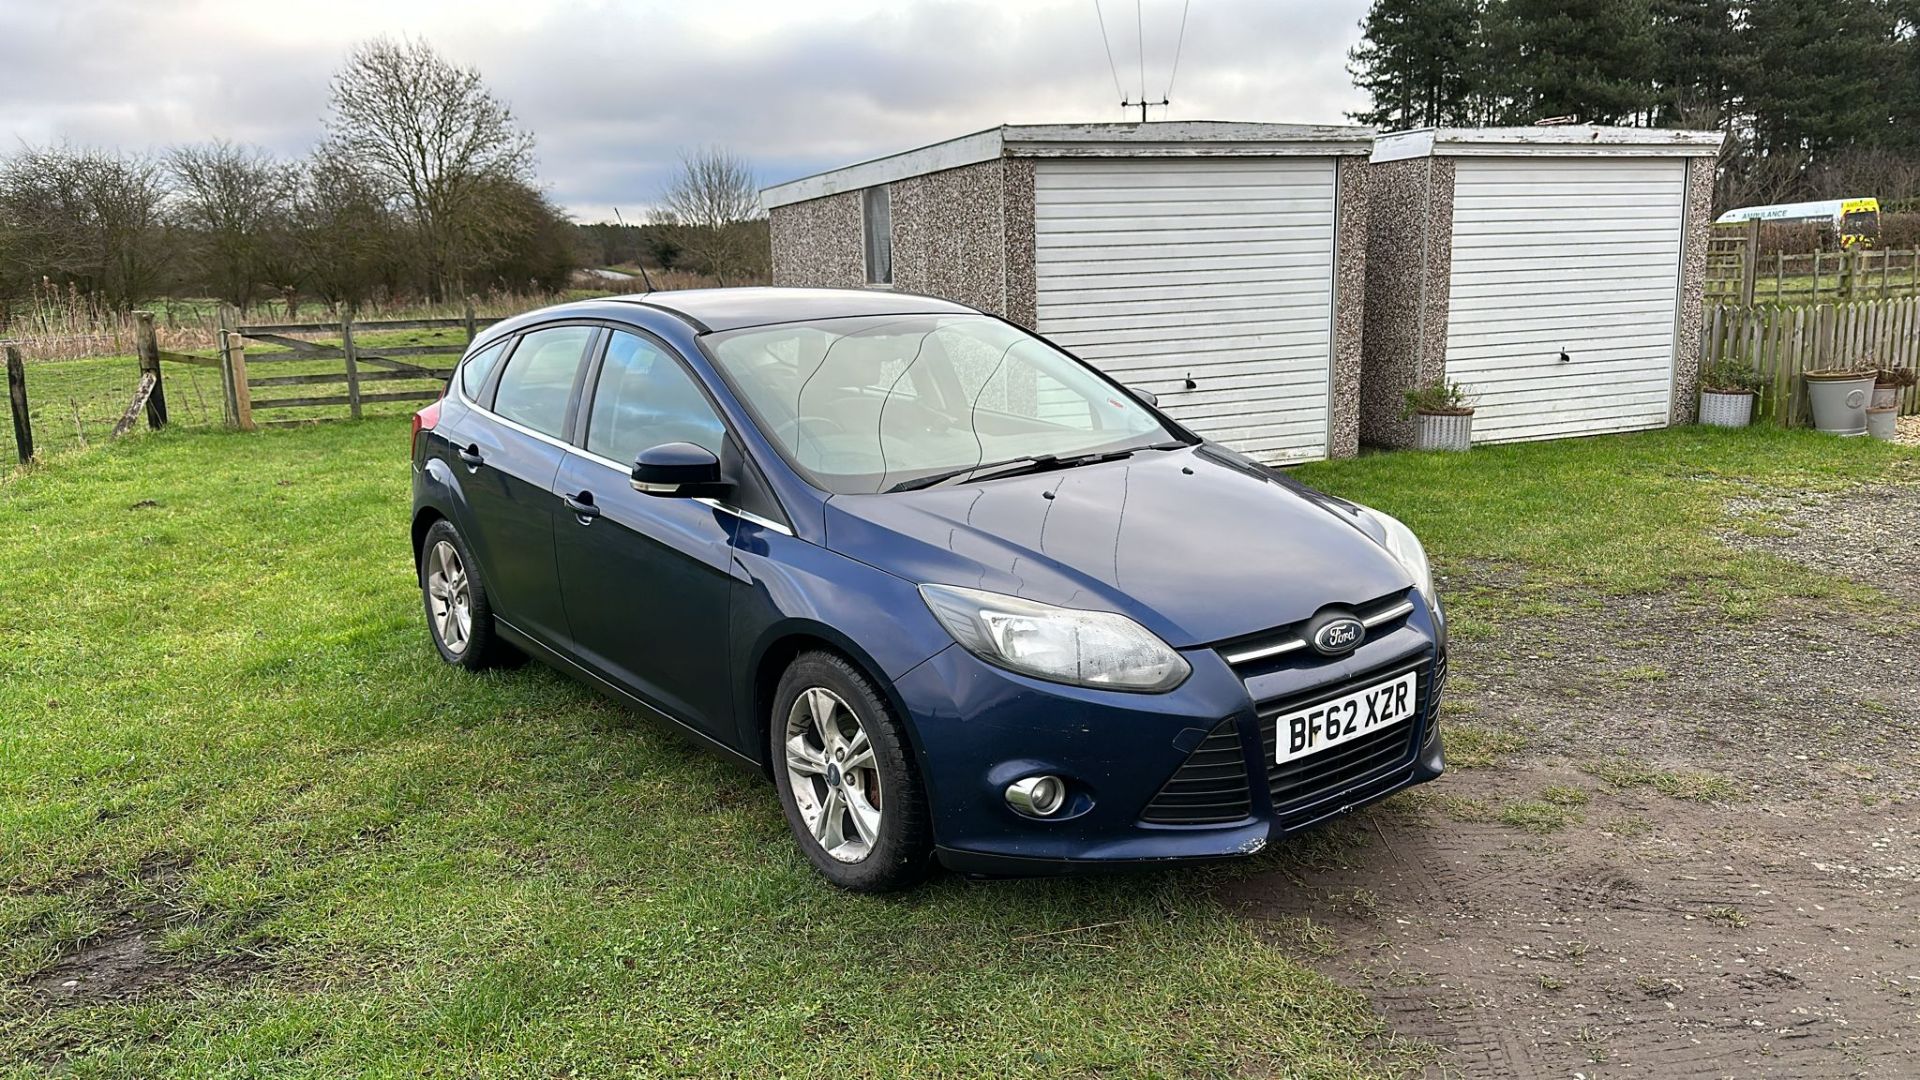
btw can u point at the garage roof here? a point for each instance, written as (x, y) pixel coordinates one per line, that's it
(1185, 138)
(1562, 140)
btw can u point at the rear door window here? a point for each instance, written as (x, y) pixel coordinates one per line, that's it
(537, 384)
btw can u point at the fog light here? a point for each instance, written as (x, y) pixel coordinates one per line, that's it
(1037, 796)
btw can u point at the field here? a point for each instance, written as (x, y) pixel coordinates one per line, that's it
(250, 825)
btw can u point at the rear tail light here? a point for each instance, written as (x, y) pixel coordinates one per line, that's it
(423, 421)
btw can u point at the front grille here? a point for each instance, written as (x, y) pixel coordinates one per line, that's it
(1210, 788)
(1297, 785)
(1271, 650)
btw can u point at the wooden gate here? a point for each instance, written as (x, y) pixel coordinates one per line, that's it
(329, 366)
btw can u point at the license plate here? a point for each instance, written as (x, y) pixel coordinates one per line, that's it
(1331, 723)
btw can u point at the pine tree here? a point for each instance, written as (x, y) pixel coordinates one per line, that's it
(1696, 63)
(1818, 76)
(1594, 59)
(1416, 60)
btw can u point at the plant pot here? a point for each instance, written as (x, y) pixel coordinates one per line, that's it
(1883, 424)
(1722, 409)
(1885, 397)
(1448, 431)
(1840, 401)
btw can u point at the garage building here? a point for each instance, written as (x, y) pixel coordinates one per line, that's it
(1220, 266)
(1553, 272)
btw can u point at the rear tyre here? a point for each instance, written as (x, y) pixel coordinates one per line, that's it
(846, 777)
(459, 615)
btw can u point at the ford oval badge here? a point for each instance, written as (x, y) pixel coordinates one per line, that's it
(1337, 637)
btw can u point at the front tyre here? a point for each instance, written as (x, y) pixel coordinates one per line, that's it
(459, 615)
(847, 783)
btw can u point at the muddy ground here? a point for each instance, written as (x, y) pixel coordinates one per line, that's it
(1691, 849)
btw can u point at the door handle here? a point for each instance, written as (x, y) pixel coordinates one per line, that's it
(581, 506)
(471, 455)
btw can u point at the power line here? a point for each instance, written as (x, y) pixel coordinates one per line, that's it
(1140, 39)
(1178, 45)
(1111, 69)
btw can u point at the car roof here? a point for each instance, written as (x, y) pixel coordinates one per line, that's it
(733, 309)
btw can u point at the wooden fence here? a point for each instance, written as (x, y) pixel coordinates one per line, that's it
(1737, 273)
(1783, 342)
(358, 365)
(334, 375)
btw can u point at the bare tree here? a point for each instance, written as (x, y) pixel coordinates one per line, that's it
(88, 217)
(435, 140)
(708, 210)
(234, 203)
(345, 235)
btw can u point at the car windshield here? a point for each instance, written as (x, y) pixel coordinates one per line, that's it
(1861, 222)
(869, 404)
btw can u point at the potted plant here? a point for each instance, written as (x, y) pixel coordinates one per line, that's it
(1443, 416)
(1840, 397)
(1887, 385)
(1727, 392)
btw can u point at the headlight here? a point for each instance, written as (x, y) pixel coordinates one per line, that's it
(1083, 648)
(1405, 547)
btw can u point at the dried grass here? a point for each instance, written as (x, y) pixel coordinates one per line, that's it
(55, 323)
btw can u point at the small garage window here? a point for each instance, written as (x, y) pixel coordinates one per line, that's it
(876, 220)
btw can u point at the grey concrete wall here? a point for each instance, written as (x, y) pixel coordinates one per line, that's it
(1408, 273)
(949, 235)
(1693, 284)
(817, 242)
(965, 234)
(1351, 239)
(1022, 287)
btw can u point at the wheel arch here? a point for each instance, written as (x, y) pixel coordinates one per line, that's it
(423, 520)
(779, 650)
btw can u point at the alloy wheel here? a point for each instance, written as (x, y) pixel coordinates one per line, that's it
(449, 597)
(835, 781)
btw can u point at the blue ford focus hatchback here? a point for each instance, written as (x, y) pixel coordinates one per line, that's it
(961, 596)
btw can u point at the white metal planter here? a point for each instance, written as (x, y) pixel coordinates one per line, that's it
(1885, 397)
(1840, 404)
(1449, 432)
(1883, 424)
(1726, 410)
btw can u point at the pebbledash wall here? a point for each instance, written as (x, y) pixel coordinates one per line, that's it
(1555, 274)
(1221, 266)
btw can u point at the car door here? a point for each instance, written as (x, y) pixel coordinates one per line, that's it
(510, 450)
(647, 579)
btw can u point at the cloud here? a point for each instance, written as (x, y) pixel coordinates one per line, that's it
(616, 91)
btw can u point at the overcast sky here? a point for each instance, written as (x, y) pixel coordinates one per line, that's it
(614, 90)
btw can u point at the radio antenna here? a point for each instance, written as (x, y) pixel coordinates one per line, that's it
(639, 258)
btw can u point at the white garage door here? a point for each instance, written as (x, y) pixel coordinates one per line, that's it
(1216, 270)
(1572, 256)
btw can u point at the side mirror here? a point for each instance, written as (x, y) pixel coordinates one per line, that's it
(681, 469)
(1147, 396)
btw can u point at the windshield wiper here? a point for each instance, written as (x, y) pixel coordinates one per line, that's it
(931, 479)
(1024, 466)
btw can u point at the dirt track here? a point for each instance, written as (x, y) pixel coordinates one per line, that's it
(1699, 858)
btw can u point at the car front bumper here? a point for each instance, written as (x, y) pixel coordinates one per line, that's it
(979, 728)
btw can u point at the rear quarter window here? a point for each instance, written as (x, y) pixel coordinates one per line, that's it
(473, 373)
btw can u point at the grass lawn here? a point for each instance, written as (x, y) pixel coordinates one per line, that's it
(229, 759)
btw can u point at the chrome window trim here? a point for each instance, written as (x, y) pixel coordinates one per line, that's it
(625, 471)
